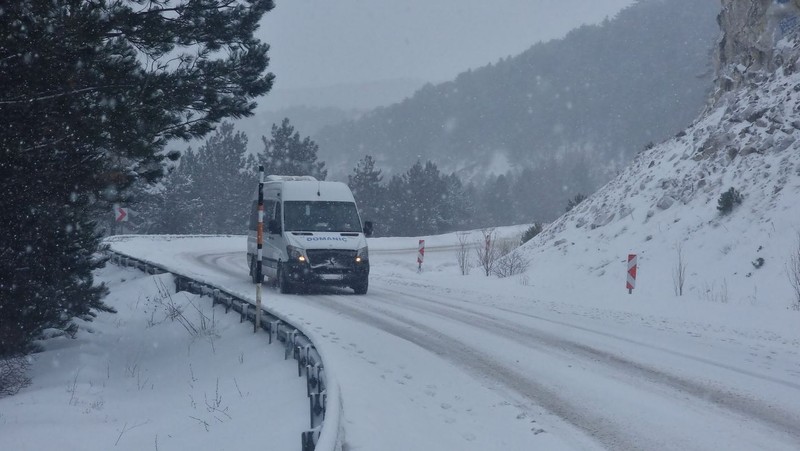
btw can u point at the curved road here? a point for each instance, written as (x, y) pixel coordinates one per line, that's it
(423, 365)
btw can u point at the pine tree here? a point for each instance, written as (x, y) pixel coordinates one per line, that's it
(370, 195)
(525, 197)
(397, 219)
(92, 93)
(458, 207)
(573, 202)
(173, 209)
(426, 190)
(423, 201)
(221, 182)
(209, 192)
(497, 203)
(286, 154)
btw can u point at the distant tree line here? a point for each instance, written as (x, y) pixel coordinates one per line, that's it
(424, 201)
(210, 191)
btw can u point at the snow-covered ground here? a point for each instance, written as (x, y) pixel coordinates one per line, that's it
(142, 379)
(560, 357)
(429, 361)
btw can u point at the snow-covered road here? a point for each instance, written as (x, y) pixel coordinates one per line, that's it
(437, 360)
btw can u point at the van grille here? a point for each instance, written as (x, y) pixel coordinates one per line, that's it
(331, 258)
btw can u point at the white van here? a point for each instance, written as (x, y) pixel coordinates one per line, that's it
(312, 235)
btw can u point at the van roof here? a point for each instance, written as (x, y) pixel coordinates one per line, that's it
(315, 190)
(285, 178)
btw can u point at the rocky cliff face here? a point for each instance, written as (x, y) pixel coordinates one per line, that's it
(758, 37)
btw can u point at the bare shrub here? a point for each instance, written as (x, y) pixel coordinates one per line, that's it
(793, 271)
(679, 272)
(462, 254)
(215, 407)
(509, 263)
(487, 251)
(205, 327)
(712, 293)
(13, 375)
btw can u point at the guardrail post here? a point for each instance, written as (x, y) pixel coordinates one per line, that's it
(274, 325)
(309, 440)
(317, 408)
(289, 344)
(313, 379)
(302, 359)
(265, 324)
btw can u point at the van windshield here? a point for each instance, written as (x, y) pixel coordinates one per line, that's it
(318, 216)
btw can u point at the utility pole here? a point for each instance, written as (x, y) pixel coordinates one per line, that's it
(260, 245)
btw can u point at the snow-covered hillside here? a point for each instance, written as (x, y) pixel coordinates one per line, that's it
(666, 202)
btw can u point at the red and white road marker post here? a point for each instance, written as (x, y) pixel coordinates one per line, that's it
(631, 273)
(420, 255)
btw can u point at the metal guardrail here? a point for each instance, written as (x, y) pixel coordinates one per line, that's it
(296, 344)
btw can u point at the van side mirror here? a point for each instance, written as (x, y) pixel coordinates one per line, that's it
(367, 228)
(274, 227)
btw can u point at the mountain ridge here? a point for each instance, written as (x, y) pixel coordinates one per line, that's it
(552, 100)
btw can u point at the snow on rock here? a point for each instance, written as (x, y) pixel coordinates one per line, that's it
(757, 36)
(667, 198)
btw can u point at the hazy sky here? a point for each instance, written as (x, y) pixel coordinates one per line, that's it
(326, 42)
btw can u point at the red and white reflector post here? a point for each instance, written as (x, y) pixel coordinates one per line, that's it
(631, 273)
(421, 254)
(121, 217)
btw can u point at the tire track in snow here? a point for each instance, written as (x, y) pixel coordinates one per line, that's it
(462, 306)
(597, 426)
(783, 421)
(222, 262)
(610, 434)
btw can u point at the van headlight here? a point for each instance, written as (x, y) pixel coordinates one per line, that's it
(362, 254)
(296, 254)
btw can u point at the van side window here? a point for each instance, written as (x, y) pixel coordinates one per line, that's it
(278, 216)
(269, 210)
(254, 215)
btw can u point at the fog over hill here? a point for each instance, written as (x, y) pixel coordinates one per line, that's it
(311, 109)
(602, 93)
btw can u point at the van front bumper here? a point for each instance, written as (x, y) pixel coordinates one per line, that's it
(304, 274)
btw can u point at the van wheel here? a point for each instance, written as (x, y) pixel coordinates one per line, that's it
(284, 285)
(361, 287)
